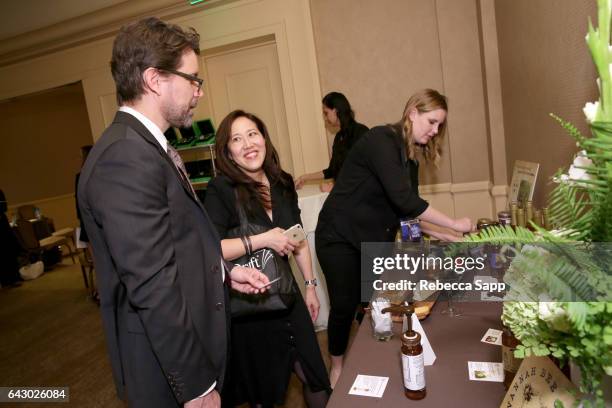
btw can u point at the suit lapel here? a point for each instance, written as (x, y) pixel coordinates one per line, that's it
(132, 122)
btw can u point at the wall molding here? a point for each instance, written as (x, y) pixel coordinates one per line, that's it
(42, 201)
(475, 199)
(92, 26)
(435, 188)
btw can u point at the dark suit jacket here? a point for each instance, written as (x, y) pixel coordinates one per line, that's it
(157, 257)
(377, 186)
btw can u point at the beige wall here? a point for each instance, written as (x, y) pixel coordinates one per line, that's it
(545, 67)
(220, 23)
(505, 61)
(379, 53)
(41, 139)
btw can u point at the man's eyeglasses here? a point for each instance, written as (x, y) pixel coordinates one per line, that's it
(197, 82)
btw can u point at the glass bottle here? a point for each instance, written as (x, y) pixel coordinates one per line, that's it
(520, 217)
(514, 213)
(504, 218)
(413, 359)
(413, 365)
(537, 217)
(529, 213)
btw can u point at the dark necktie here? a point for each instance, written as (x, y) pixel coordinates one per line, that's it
(180, 166)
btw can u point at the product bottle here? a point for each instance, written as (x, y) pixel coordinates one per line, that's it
(511, 363)
(413, 359)
(514, 214)
(529, 214)
(520, 217)
(413, 365)
(537, 217)
(411, 230)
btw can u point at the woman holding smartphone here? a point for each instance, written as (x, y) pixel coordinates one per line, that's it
(266, 347)
(377, 187)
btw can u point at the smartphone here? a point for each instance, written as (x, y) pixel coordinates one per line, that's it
(296, 233)
(267, 285)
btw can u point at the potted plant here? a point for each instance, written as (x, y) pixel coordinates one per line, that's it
(560, 303)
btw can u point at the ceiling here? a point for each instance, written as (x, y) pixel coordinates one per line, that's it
(22, 16)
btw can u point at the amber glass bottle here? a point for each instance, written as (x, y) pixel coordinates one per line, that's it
(413, 364)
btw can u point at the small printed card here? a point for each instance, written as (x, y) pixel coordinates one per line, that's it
(369, 386)
(492, 336)
(484, 371)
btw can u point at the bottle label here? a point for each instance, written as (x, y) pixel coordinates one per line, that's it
(414, 372)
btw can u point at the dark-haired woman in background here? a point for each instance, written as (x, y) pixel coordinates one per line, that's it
(265, 348)
(377, 187)
(337, 113)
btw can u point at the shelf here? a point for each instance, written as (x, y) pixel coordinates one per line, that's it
(200, 182)
(199, 145)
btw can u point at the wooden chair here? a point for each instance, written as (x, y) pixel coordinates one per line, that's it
(87, 265)
(26, 212)
(87, 268)
(67, 233)
(29, 242)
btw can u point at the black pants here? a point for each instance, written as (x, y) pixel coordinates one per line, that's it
(340, 263)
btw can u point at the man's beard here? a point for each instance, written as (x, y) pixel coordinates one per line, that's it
(179, 116)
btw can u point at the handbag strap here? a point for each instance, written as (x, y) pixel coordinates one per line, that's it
(244, 222)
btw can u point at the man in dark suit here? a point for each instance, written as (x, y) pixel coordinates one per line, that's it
(157, 254)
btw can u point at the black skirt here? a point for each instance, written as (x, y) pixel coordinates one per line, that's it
(263, 351)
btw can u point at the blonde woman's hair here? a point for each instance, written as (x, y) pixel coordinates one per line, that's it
(425, 100)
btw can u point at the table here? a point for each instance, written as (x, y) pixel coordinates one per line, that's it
(310, 201)
(455, 342)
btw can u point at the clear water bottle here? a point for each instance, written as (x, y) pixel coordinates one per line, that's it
(37, 213)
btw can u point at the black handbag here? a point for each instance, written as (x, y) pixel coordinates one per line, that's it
(281, 294)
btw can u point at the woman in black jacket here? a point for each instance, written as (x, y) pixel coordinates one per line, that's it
(337, 113)
(377, 187)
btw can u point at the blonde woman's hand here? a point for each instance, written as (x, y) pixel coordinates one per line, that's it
(312, 302)
(278, 241)
(463, 225)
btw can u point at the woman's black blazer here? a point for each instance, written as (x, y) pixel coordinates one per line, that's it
(377, 186)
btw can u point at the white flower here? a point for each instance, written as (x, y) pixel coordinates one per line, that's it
(578, 171)
(554, 315)
(590, 110)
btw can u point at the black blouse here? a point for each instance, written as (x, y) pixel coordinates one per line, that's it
(220, 204)
(343, 142)
(378, 185)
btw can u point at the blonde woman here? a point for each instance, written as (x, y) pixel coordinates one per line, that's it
(377, 187)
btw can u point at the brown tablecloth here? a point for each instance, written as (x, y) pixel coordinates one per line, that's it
(454, 340)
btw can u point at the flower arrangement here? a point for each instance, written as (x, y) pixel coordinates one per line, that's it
(561, 286)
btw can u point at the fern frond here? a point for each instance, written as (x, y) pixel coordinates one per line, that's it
(570, 128)
(503, 235)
